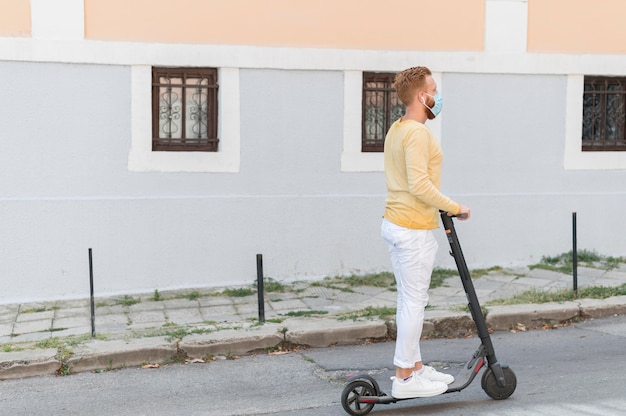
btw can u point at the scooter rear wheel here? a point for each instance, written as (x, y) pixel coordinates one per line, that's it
(491, 387)
(351, 395)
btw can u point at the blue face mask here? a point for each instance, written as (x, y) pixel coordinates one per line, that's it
(436, 108)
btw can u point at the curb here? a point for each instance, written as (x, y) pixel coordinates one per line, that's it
(99, 355)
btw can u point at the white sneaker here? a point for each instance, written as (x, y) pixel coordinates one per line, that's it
(434, 375)
(417, 386)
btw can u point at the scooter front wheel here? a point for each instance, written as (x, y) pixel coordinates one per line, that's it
(491, 387)
(353, 391)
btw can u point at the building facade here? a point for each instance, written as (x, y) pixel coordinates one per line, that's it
(532, 130)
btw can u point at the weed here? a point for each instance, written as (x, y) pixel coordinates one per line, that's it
(126, 301)
(563, 263)
(193, 295)
(383, 279)
(271, 285)
(180, 356)
(157, 296)
(172, 331)
(439, 275)
(53, 342)
(465, 308)
(536, 296)
(55, 329)
(238, 292)
(476, 273)
(333, 283)
(369, 312)
(305, 313)
(35, 310)
(11, 348)
(63, 355)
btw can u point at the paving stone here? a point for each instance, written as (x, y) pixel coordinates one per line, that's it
(8, 313)
(34, 316)
(180, 303)
(294, 304)
(71, 322)
(219, 313)
(71, 312)
(215, 301)
(146, 307)
(26, 327)
(543, 274)
(532, 282)
(6, 330)
(111, 319)
(184, 316)
(140, 317)
(32, 336)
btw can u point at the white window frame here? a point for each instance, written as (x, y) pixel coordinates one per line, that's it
(352, 158)
(575, 158)
(142, 158)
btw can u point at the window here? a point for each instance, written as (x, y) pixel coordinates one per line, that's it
(227, 158)
(184, 109)
(381, 107)
(604, 114)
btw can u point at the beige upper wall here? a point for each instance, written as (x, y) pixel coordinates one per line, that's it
(577, 26)
(554, 26)
(354, 24)
(15, 18)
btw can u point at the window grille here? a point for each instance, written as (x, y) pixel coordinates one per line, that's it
(184, 109)
(604, 114)
(381, 107)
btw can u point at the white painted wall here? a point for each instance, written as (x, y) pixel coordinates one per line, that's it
(289, 182)
(66, 185)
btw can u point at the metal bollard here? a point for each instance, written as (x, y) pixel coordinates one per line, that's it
(259, 285)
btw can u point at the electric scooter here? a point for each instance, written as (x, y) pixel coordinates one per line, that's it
(362, 392)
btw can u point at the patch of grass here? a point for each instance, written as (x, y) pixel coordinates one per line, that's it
(193, 295)
(563, 263)
(126, 300)
(271, 285)
(53, 342)
(305, 313)
(536, 296)
(346, 283)
(465, 308)
(238, 292)
(172, 331)
(55, 329)
(383, 279)
(11, 348)
(327, 283)
(476, 273)
(35, 310)
(369, 312)
(439, 275)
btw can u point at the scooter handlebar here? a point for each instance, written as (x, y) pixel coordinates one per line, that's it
(461, 215)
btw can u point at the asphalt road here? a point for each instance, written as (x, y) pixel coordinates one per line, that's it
(580, 369)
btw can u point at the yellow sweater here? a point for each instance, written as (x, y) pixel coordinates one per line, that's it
(413, 159)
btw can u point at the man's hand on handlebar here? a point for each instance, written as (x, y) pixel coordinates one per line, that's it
(464, 213)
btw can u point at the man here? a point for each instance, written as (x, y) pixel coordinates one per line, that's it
(413, 161)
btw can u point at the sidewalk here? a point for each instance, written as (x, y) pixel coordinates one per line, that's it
(55, 338)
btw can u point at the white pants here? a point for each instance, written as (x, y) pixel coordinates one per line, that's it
(412, 258)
